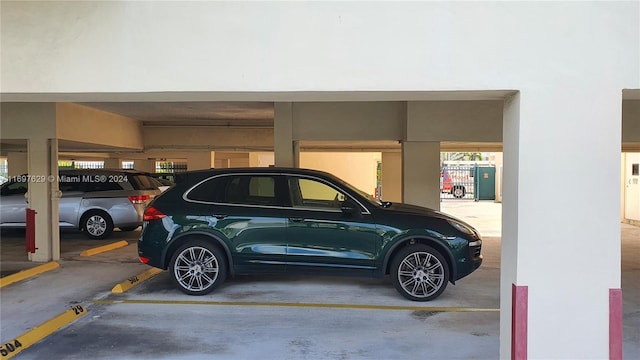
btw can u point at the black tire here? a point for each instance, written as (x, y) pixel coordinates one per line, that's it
(198, 267)
(419, 272)
(128, 228)
(97, 224)
(458, 191)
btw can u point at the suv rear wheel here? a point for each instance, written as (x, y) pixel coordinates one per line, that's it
(97, 224)
(198, 267)
(419, 272)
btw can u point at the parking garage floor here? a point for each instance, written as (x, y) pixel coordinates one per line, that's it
(275, 317)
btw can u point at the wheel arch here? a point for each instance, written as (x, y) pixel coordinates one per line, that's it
(196, 235)
(440, 247)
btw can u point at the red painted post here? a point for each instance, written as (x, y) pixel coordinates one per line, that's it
(519, 321)
(30, 241)
(615, 324)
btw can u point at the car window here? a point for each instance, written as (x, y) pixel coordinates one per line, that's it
(211, 190)
(14, 188)
(251, 190)
(103, 186)
(143, 182)
(314, 194)
(71, 186)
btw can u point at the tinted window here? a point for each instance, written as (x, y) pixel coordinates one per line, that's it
(251, 190)
(142, 182)
(210, 190)
(70, 186)
(14, 188)
(314, 194)
(102, 186)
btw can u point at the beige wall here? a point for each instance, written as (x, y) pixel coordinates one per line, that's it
(358, 169)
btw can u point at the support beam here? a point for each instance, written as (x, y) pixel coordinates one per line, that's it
(43, 197)
(421, 173)
(201, 160)
(287, 151)
(84, 124)
(112, 163)
(17, 163)
(145, 165)
(392, 176)
(570, 232)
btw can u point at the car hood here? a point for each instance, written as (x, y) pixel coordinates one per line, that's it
(419, 210)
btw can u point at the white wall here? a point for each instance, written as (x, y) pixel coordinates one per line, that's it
(383, 46)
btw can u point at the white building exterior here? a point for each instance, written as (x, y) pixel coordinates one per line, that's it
(559, 70)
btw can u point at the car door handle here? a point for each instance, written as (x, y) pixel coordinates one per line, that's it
(220, 216)
(296, 219)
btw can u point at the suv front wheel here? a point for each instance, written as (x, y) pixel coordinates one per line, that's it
(419, 272)
(198, 267)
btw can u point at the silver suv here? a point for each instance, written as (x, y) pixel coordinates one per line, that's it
(95, 201)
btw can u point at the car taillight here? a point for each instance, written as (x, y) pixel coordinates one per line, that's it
(139, 199)
(152, 213)
(143, 259)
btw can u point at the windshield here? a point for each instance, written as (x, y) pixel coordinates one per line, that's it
(372, 200)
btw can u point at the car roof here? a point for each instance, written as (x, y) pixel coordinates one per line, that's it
(200, 174)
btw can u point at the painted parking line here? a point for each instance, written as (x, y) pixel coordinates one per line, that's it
(19, 276)
(135, 280)
(302, 305)
(101, 249)
(10, 348)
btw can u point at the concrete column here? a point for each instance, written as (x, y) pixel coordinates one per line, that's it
(43, 196)
(145, 165)
(421, 173)
(17, 163)
(499, 163)
(287, 151)
(112, 163)
(261, 159)
(201, 160)
(561, 254)
(392, 176)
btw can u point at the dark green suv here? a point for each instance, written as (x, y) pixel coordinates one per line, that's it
(216, 223)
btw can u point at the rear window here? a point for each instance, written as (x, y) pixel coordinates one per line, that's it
(211, 190)
(143, 182)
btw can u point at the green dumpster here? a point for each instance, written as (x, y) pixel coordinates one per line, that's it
(485, 183)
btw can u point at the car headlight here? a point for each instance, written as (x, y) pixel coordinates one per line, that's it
(463, 229)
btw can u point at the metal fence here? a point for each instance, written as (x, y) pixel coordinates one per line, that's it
(170, 167)
(457, 181)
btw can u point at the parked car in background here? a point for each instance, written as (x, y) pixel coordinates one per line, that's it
(217, 223)
(93, 200)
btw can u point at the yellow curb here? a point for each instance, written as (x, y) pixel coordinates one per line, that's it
(10, 348)
(10, 279)
(101, 249)
(135, 280)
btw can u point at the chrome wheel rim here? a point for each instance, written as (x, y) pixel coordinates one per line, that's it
(96, 225)
(421, 274)
(196, 268)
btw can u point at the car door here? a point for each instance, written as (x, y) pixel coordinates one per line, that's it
(321, 237)
(248, 212)
(13, 204)
(72, 190)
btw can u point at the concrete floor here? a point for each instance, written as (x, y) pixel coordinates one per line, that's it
(274, 317)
